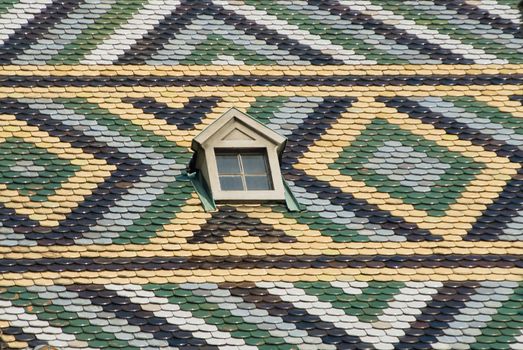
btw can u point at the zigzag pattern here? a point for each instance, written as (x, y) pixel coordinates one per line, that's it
(132, 189)
(146, 189)
(411, 237)
(231, 32)
(404, 128)
(267, 315)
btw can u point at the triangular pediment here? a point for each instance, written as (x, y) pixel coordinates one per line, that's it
(235, 125)
(237, 135)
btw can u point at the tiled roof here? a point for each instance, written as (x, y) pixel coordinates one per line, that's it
(404, 122)
(260, 32)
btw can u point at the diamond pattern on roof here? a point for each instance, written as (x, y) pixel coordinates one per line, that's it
(40, 194)
(389, 179)
(379, 164)
(33, 171)
(403, 122)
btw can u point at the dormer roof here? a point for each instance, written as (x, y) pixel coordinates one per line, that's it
(238, 127)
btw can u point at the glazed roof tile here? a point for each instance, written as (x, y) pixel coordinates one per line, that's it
(404, 127)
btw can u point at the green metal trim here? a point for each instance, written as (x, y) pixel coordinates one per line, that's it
(290, 200)
(201, 189)
(208, 203)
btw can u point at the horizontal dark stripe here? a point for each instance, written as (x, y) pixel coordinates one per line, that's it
(259, 262)
(258, 80)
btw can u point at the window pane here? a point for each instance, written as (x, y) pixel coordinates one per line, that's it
(254, 163)
(231, 183)
(258, 183)
(228, 163)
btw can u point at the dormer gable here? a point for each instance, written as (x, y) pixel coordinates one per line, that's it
(238, 159)
(236, 129)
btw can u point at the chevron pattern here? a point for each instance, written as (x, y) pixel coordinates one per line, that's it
(142, 191)
(105, 244)
(146, 191)
(404, 128)
(266, 315)
(284, 32)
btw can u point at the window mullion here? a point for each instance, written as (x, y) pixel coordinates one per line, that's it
(242, 172)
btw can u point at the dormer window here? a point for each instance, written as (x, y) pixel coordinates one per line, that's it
(237, 159)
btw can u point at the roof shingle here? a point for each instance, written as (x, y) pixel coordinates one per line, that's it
(404, 128)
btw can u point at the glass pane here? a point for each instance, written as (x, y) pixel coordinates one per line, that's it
(254, 163)
(231, 183)
(258, 183)
(228, 163)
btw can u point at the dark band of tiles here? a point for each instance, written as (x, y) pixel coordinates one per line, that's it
(36, 28)
(485, 17)
(517, 98)
(390, 32)
(184, 118)
(20, 335)
(453, 127)
(509, 203)
(261, 262)
(9, 218)
(260, 80)
(360, 207)
(221, 222)
(300, 317)
(135, 315)
(313, 127)
(154, 40)
(437, 315)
